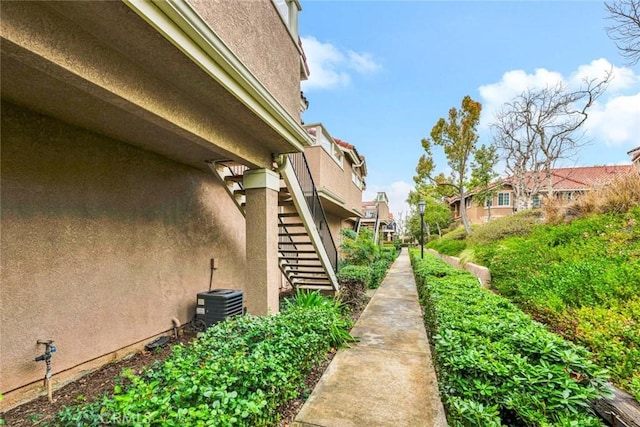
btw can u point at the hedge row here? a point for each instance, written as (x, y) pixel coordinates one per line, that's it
(495, 365)
(238, 373)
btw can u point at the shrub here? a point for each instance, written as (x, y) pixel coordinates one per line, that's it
(354, 280)
(620, 195)
(378, 271)
(495, 365)
(451, 243)
(361, 250)
(237, 373)
(448, 246)
(361, 273)
(518, 224)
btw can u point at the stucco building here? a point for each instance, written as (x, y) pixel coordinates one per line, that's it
(126, 128)
(568, 183)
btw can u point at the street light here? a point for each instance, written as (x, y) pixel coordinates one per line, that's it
(421, 205)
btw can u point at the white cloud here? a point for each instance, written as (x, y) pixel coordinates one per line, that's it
(397, 192)
(331, 67)
(362, 62)
(616, 122)
(613, 120)
(622, 78)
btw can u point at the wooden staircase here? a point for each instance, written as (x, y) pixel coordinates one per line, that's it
(302, 256)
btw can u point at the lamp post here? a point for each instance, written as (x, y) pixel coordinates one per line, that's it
(421, 206)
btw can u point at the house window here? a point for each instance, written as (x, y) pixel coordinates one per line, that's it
(288, 10)
(504, 199)
(536, 202)
(331, 148)
(569, 197)
(488, 203)
(467, 202)
(355, 178)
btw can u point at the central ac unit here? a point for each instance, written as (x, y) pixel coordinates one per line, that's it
(219, 304)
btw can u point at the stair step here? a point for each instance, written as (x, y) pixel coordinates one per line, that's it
(233, 178)
(288, 214)
(315, 287)
(289, 258)
(297, 251)
(308, 276)
(240, 192)
(285, 202)
(298, 265)
(300, 234)
(291, 224)
(304, 268)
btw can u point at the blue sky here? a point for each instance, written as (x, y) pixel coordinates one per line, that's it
(383, 72)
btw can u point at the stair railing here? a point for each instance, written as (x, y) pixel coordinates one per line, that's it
(303, 173)
(376, 225)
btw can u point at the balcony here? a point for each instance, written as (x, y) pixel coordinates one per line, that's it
(338, 173)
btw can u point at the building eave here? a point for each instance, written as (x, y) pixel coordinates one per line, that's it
(180, 24)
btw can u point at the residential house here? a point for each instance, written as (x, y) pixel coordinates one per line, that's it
(126, 128)
(568, 183)
(377, 217)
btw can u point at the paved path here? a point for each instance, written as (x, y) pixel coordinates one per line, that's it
(387, 379)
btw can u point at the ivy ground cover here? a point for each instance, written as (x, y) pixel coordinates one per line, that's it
(238, 373)
(496, 366)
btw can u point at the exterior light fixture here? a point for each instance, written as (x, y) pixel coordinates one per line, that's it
(421, 205)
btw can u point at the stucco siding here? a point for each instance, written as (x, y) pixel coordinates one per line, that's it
(269, 53)
(102, 243)
(328, 174)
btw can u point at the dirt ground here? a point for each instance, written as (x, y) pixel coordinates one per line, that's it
(93, 385)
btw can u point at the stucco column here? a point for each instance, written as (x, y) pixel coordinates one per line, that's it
(262, 186)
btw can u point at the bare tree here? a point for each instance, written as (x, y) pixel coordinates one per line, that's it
(539, 128)
(625, 31)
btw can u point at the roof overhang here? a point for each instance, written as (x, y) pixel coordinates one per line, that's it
(165, 83)
(334, 204)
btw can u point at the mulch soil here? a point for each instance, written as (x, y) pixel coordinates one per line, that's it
(93, 385)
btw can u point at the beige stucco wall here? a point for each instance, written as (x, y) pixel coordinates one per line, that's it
(383, 211)
(102, 243)
(327, 174)
(477, 213)
(270, 52)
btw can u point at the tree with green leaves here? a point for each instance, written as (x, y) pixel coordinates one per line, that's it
(437, 213)
(457, 135)
(483, 175)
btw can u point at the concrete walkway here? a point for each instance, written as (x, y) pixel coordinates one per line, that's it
(386, 379)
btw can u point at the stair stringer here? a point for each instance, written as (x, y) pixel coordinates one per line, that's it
(297, 195)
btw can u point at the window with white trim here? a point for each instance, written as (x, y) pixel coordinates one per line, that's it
(504, 199)
(355, 178)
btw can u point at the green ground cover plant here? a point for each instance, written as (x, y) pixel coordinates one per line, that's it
(496, 366)
(583, 279)
(238, 373)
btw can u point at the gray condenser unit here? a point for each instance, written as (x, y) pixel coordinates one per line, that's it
(219, 304)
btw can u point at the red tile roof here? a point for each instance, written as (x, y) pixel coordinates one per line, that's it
(570, 179)
(583, 178)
